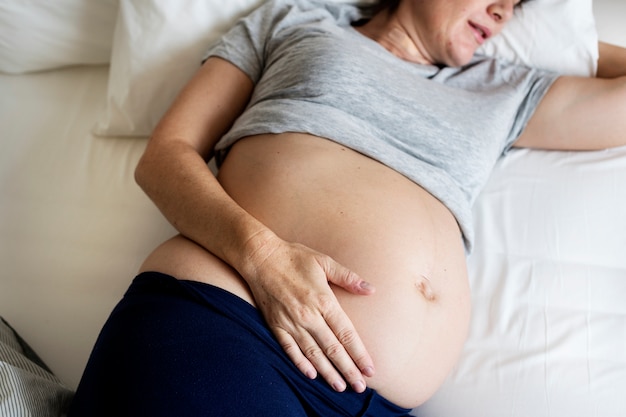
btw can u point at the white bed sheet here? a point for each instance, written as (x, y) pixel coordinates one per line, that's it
(548, 279)
(74, 227)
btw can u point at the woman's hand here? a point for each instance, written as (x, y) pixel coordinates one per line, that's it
(291, 288)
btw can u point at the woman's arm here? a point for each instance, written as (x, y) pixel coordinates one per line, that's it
(289, 281)
(580, 113)
(611, 61)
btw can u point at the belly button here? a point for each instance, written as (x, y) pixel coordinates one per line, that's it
(424, 287)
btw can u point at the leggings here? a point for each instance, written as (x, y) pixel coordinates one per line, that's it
(184, 348)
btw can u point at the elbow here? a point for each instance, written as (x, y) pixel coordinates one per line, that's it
(140, 174)
(143, 173)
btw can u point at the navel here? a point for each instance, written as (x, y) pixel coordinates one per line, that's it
(424, 287)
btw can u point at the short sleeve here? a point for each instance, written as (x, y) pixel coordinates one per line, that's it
(535, 87)
(245, 44)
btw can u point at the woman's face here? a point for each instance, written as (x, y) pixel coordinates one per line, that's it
(449, 31)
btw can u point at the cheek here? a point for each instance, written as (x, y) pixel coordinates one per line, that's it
(465, 40)
(459, 51)
(455, 44)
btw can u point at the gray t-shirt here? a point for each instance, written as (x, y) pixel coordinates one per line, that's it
(443, 128)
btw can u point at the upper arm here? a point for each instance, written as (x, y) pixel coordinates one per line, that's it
(206, 107)
(579, 113)
(611, 60)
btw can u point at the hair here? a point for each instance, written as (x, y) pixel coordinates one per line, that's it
(391, 5)
(373, 8)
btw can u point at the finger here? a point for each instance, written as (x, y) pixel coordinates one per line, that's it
(355, 348)
(343, 364)
(309, 358)
(319, 358)
(343, 346)
(347, 351)
(345, 278)
(315, 349)
(293, 351)
(336, 341)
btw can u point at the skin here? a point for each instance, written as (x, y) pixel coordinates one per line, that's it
(573, 114)
(612, 61)
(303, 292)
(442, 32)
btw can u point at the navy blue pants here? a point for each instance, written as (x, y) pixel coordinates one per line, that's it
(183, 348)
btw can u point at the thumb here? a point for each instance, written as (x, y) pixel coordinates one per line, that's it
(346, 278)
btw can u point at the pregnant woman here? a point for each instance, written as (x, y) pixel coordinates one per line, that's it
(322, 272)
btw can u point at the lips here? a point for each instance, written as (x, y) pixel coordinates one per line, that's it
(481, 33)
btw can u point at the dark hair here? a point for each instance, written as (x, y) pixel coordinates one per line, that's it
(389, 5)
(392, 5)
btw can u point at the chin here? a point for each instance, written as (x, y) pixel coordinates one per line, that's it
(455, 62)
(459, 58)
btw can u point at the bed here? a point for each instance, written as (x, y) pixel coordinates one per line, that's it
(79, 94)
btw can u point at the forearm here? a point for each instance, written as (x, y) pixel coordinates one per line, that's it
(174, 174)
(611, 61)
(180, 184)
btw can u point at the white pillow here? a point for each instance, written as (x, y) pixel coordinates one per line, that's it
(158, 45)
(43, 34)
(611, 21)
(557, 35)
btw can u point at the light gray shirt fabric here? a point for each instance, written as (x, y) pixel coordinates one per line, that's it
(443, 128)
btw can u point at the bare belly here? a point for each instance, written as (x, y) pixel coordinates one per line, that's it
(372, 220)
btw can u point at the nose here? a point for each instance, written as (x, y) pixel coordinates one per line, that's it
(501, 10)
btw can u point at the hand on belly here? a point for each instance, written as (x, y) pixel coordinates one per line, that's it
(324, 200)
(291, 288)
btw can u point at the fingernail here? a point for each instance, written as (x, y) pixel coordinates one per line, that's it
(339, 386)
(311, 374)
(365, 285)
(368, 371)
(359, 386)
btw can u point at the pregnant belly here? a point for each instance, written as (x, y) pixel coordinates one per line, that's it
(372, 220)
